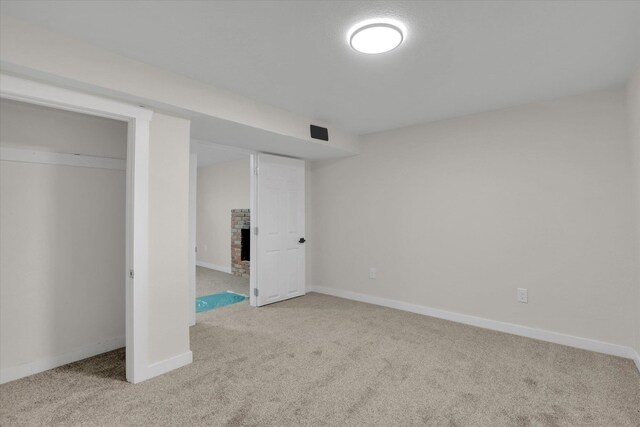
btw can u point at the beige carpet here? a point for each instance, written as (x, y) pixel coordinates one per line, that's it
(319, 360)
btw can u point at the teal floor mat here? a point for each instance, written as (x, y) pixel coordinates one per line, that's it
(209, 302)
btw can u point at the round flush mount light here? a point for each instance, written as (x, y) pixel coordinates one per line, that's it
(376, 37)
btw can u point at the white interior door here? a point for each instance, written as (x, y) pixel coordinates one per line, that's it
(279, 273)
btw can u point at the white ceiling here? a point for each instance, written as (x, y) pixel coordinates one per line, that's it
(458, 57)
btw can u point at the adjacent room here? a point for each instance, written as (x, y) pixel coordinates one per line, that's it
(223, 225)
(320, 213)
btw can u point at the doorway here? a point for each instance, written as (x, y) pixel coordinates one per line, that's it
(237, 198)
(220, 241)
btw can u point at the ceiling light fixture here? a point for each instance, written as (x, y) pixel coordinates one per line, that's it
(376, 37)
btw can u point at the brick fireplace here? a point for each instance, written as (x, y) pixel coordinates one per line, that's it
(240, 220)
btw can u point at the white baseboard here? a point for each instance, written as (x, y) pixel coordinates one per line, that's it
(213, 266)
(510, 328)
(164, 366)
(31, 368)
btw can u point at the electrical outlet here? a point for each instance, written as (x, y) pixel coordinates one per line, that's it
(523, 295)
(372, 273)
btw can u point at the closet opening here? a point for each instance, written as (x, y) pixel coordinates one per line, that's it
(63, 226)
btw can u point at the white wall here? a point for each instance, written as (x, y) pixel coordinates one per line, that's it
(634, 127)
(50, 129)
(62, 261)
(168, 237)
(221, 188)
(457, 214)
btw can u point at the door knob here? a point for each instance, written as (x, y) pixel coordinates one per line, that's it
(302, 240)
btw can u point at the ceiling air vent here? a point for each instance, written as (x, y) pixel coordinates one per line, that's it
(318, 132)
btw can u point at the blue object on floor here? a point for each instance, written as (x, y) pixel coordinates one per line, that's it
(209, 302)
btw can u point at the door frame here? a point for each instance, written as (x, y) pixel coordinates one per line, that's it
(253, 220)
(137, 200)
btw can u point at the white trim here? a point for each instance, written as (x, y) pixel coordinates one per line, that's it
(63, 159)
(138, 255)
(253, 221)
(213, 266)
(495, 325)
(19, 89)
(26, 369)
(164, 366)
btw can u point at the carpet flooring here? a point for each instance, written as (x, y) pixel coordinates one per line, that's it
(320, 360)
(210, 282)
